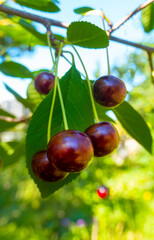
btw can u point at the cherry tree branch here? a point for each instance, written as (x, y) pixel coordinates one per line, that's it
(15, 120)
(139, 8)
(136, 45)
(47, 22)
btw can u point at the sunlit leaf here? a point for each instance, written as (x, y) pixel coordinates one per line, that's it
(33, 96)
(86, 34)
(41, 5)
(14, 69)
(148, 18)
(83, 10)
(134, 124)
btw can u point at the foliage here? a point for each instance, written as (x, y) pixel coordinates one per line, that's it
(148, 18)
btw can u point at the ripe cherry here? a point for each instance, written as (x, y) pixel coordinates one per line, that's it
(109, 91)
(104, 137)
(44, 82)
(103, 192)
(44, 170)
(70, 151)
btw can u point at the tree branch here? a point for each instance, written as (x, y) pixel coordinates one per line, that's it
(15, 120)
(48, 22)
(139, 8)
(143, 47)
(151, 66)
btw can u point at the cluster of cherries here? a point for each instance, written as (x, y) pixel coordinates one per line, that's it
(71, 150)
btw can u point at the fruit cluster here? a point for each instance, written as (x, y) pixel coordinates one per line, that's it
(71, 150)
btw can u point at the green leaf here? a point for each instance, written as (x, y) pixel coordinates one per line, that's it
(25, 102)
(30, 28)
(75, 94)
(86, 34)
(83, 10)
(147, 18)
(6, 125)
(134, 124)
(102, 113)
(5, 113)
(33, 96)
(11, 152)
(14, 69)
(41, 5)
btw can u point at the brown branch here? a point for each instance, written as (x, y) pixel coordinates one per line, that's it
(48, 22)
(151, 66)
(15, 120)
(137, 45)
(139, 8)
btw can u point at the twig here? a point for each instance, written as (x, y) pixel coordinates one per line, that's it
(15, 120)
(137, 45)
(139, 8)
(151, 66)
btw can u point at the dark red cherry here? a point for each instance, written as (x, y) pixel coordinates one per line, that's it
(44, 170)
(103, 192)
(44, 82)
(109, 91)
(70, 151)
(104, 137)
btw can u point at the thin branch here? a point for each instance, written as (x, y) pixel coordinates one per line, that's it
(139, 8)
(47, 22)
(151, 66)
(137, 45)
(15, 120)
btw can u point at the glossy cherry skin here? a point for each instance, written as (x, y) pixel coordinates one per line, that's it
(44, 170)
(104, 137)
(44, 82)
(103, 192)
(109, 91)
(70, 151)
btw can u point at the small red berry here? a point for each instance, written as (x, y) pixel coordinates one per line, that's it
(103, 192)
(44, 82)
(44, 170)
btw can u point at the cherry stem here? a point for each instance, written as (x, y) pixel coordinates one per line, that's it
(107, 52)
(89, 87)
(71, 56)
(72, 61)
(50, 49)
(56, 87)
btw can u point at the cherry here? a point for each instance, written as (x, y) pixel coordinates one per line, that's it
(44, 82)
(103, 192)
(44, 170)
(70, 151)
(104, 137)
(109, 91)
